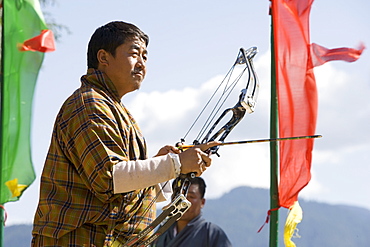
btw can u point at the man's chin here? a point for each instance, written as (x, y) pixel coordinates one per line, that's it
(136, 86)
(186, 218)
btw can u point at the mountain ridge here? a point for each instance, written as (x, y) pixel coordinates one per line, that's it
(243, 210)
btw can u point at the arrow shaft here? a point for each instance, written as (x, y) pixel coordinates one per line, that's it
(261, 140)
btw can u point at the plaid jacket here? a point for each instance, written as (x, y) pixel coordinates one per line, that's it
(92, 132)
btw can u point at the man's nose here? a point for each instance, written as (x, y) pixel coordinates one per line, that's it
(141, 62)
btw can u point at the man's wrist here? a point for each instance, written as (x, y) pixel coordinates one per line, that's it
(176, 163)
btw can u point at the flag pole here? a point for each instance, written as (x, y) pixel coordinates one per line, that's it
(274, 198)
(2, 210)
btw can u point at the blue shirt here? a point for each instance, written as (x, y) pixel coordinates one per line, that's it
(198, 232)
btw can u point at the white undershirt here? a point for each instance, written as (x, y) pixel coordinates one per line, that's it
(140, 174)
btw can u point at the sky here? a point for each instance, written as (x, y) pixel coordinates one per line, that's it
(192, 46)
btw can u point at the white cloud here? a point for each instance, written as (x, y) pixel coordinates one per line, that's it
(237, 166)
(163, 115)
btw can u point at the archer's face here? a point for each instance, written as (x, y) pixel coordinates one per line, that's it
(197, 203)
(127, 68)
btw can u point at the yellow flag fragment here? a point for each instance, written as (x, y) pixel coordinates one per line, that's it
(294, 217)
(15, 188)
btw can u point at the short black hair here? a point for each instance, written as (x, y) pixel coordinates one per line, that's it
(197, 180)
(109, 37)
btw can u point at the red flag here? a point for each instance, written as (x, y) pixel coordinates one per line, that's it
(295, 59)
(296, 90)
(297, 96)
(321, 55)
(42, 43)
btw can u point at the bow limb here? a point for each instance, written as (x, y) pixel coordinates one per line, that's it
(245, 104)
(170, 214)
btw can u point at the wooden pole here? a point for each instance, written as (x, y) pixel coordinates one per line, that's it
(274, 163)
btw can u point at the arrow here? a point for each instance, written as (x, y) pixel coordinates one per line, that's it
(260, 140)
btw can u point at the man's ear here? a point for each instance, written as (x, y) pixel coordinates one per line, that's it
(203, 202)
(102, 56)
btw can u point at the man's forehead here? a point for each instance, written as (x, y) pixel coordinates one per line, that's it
(137, 42)
(194, 188)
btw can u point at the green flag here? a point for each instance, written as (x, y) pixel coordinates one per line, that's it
(24, 36)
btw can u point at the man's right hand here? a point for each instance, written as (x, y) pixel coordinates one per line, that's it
(195, 159)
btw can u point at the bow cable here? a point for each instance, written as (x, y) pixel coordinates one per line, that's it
(243, 58)
(246, 103)
(213, 114)
(208, 102)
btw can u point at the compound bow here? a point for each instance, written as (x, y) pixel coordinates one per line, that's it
(246, 103)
